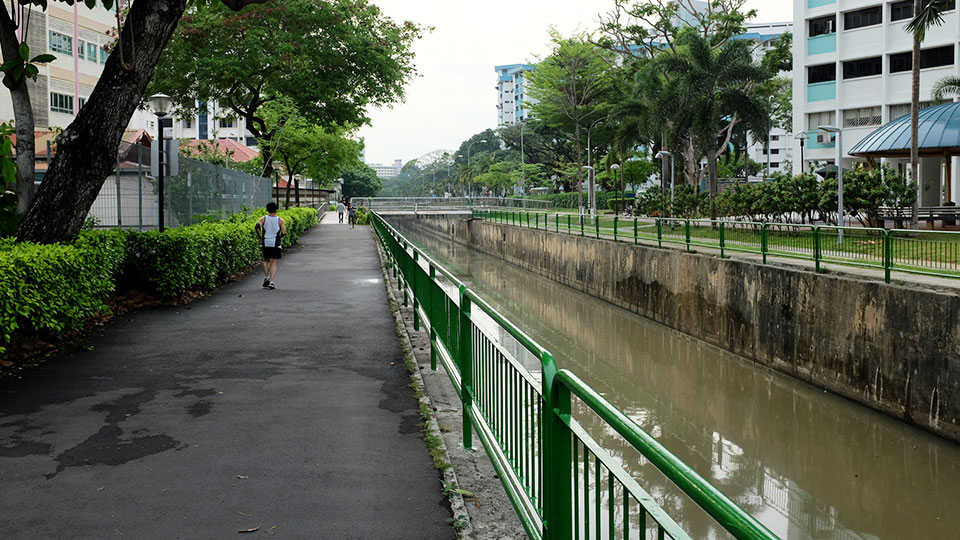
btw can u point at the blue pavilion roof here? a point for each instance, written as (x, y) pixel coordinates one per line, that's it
(939, 133)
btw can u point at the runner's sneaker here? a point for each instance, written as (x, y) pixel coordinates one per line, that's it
(266, 282)
(271, 286)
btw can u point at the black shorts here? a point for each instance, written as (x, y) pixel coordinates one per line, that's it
(271, 252)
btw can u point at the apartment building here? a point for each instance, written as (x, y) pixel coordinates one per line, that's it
(514, 103)
(852, 60)
(387, 171)
(211, 122)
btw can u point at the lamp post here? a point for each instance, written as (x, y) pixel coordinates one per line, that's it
(665, 155)
(592, 187)
(593, 201)
(276, 170)
(616, 167)
(839, 144)
(523, 174)
(160, 104)
(802, 137)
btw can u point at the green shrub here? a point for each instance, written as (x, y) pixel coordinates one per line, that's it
(363, 216)
(46, 290)
(569, 200)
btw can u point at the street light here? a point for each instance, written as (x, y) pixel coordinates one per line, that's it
(160, 104)
(664, 155)
(839, 144)
(592, 187)
(276, 169)
(523, 175)
(616, 167)
(593, 202)
(802, 137)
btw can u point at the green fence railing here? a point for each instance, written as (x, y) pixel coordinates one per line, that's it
(932, 253)
(561, 482)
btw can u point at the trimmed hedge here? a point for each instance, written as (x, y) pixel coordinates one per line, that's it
(46, 290)
(569, 200)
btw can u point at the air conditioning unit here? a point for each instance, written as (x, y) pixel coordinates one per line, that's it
(824, 137)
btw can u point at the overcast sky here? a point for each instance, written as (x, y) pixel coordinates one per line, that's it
(454, 96)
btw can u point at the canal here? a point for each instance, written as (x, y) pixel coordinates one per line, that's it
(808, 464)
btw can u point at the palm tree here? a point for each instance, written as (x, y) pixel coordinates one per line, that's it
(944, 88)
(714, 92)
(924, 18)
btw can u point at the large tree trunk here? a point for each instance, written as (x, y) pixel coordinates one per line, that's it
(915, 121)
(87, 149)
(691, 165)
(22, 113)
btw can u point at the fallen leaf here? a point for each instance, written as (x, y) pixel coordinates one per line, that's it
(242, 476)
(255, 529)
(243, 513)
(100, 489)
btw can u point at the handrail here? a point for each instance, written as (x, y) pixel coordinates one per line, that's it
(932, 253)
(534, 461)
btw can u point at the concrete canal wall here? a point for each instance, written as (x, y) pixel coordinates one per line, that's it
(893, 348)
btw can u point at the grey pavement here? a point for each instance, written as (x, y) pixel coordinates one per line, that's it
(288, 411)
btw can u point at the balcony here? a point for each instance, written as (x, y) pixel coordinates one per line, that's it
(826, 43)
(821, 91)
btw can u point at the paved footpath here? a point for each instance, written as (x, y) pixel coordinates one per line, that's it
(285, 410)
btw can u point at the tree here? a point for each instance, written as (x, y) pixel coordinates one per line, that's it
(714, 91)
(86, 150)
(361, 181)
(571, 86)
(944, 88)
(354, 57)
(924, 17)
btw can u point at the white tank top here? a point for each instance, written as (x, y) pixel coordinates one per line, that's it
(271, 228)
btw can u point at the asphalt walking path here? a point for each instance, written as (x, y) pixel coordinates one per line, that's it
(285, 411)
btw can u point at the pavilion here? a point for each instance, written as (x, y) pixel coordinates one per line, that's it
(939, 144)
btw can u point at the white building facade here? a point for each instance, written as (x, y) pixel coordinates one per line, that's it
(514, 103)
(852, 60)
(387, 171)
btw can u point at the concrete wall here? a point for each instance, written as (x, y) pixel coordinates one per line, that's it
(895, 349)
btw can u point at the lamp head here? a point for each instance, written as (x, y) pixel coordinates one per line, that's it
(802, 136)
(663, 154)
(615, 166)
(588, 167)
(160, 104)
(276, 165)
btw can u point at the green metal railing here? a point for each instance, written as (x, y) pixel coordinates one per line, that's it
(932, 253)
(562, 484)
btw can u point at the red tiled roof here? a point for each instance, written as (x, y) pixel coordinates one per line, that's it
(237, 151)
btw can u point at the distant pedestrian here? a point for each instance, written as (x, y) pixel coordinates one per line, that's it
(353, 216)
(340, 210)
(271, 229)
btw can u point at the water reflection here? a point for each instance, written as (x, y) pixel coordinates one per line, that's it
(808, 464)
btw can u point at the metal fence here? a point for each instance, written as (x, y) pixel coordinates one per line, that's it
(933, 253)
(414, 204)
(562, 483)
(129, 196)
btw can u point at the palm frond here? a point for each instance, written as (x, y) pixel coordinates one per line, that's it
(930, 15)
(944, 88)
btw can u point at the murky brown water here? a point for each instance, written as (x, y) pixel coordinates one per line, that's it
(808, 464)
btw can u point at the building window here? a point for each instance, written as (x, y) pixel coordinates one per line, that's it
(863, 17)
(774, 137)
(61, 43)
(930, 58)
(821, 73)
(81, 46)
(896, 111)
(864, 116)
(904, 10)
(775, 152)
(103, 55)
(226, 122)
(815, 120)
(61, 103)
(774, 164)
(865, 67)
(92, 52)
(83, 101)
(823, 25)
(188, 123)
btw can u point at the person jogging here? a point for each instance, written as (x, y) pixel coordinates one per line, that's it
(270, 228)
(340, 210)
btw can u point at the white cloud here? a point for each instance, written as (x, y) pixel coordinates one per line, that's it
(454, 96)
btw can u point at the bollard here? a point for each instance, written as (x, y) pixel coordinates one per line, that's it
(465, 362)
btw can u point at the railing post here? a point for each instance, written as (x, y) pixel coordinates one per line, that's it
(636, 236)
(556, 222)
(536, 222)
(687, 233)
(887, 255)
(557, 460)
(416, 292)
(465, 363)
(568, 223)
(659, 232)
(722, 240)
(596, 225)
(433, 331)
(817, 248)
(581, 224)
(765, 244)
(616, 224)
